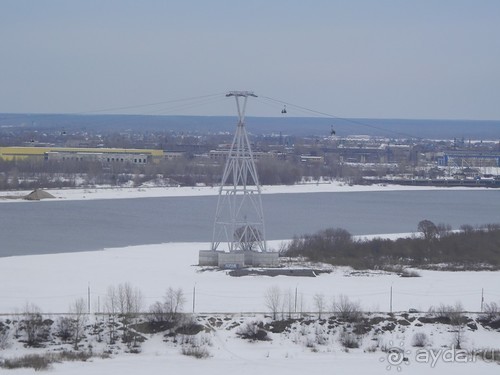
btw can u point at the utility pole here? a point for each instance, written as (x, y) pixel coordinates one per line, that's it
(194, 296)
(391, 301)
(295, 308)
(88, 297)
(482, 299)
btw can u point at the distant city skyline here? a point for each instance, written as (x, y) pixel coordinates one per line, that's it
(359, 59)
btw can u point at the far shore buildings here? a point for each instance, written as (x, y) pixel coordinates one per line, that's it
(104, 155)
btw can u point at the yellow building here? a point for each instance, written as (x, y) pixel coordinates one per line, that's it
(137, 156)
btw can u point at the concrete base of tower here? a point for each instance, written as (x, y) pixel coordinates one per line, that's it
(238, 259)
(208, 258)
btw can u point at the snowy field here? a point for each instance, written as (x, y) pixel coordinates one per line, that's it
(54, 281)
(253, 361)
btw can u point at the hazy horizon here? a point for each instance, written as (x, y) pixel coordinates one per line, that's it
(301, 126)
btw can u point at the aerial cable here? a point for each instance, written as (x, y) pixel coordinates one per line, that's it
(324, 114)
(149, 104)
(109, 109)
(268, 103)
(196, 104)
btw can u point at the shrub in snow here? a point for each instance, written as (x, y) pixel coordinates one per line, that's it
(420, 340)
(64, 328)
(409, 273)
(492, 311)
(454, 313)
(310, 343)
(43, 361)
(199, 352)
(189, 326)
(4, 336)
(34, 361)
(195, 346)
(321, 336)
(347, 309)
(348, 340)
(253, 331)
(33, 325)
(371, 349)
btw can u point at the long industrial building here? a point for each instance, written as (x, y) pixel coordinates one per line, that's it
(105, 155)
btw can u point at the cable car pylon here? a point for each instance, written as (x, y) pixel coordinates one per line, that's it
(239, 231)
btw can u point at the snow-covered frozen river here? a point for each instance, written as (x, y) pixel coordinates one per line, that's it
(69, 226)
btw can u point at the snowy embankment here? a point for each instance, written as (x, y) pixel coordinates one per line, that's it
(155, 192)
(373, 344)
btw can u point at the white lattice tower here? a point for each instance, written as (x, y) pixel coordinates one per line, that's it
(239, 218)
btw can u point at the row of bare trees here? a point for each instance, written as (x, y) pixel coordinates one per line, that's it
(124, 307)
(285, 304)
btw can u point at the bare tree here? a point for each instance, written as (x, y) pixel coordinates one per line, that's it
(458, 320)
(168, 311)
(78, 312)
(33, 323)
(111, 307)
(272, 300)
(158, 313)
(288, 304)
(443, 229)
(125, 301)
(319, 304)
(467, 229)
(174, 303)
(111, 302)
(131, 298)
(429, 229)
(130, 302)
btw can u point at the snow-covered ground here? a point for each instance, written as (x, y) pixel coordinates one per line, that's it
(251, 358)
(307, 345)
(151, 192)
(54, 281)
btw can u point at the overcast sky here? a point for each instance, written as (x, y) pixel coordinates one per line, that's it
(351, 58)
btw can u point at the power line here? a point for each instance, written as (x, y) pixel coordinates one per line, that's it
(188, 102)
(194, 104)
(171, 101)
(324, 114)
(176, 104)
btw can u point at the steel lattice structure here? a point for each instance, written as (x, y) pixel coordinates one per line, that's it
(239, 218)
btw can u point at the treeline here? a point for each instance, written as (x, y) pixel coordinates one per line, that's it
(31, 174)
(187, 171)
(471, 248)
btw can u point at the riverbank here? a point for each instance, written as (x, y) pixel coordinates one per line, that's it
(107, 192)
